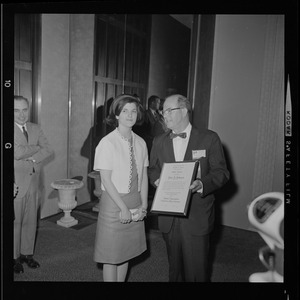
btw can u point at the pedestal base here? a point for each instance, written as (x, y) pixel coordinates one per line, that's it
(67, 224)
(269, 276)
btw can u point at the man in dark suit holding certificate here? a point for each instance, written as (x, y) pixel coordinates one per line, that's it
(187, 238)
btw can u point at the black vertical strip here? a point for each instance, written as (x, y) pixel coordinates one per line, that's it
(69, 98)
(147, 45)
(7, 140)
(36, 67)
(291, 218)
(204, 71)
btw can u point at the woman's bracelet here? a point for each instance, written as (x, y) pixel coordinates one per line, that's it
(144, 211)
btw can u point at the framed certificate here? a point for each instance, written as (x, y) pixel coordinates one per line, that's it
(172, 195)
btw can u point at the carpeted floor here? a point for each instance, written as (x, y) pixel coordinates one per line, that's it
(84, 218)
(66, 254)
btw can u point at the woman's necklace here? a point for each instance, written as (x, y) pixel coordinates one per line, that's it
(128, 138)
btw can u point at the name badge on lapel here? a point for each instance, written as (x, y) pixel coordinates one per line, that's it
(197, 154)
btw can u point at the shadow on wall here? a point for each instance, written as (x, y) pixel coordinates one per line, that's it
(96, 133)
(41, 187)
(223, 195)
(226, 193)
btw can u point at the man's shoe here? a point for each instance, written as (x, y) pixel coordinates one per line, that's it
(18, 268)
(28, 259)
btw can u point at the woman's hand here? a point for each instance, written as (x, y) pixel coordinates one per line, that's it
(141, 214)
(125, 216)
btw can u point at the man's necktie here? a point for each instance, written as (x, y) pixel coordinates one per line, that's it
(25, 133)
(174, 135)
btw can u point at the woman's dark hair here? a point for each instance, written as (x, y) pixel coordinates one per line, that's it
(117, 106)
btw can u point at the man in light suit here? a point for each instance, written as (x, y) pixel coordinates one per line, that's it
(187, 238)
(31, 148)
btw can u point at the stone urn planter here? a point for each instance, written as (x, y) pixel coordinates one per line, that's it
(67, 199)
(97, 191)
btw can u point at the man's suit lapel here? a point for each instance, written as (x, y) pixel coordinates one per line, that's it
(168, 147)
(29, 130)
(191, 145)
(19, 134)
(151, 117)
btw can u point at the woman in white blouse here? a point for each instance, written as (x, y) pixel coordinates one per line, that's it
(122, 159)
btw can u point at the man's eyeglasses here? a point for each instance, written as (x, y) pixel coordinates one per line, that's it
(169, 110)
